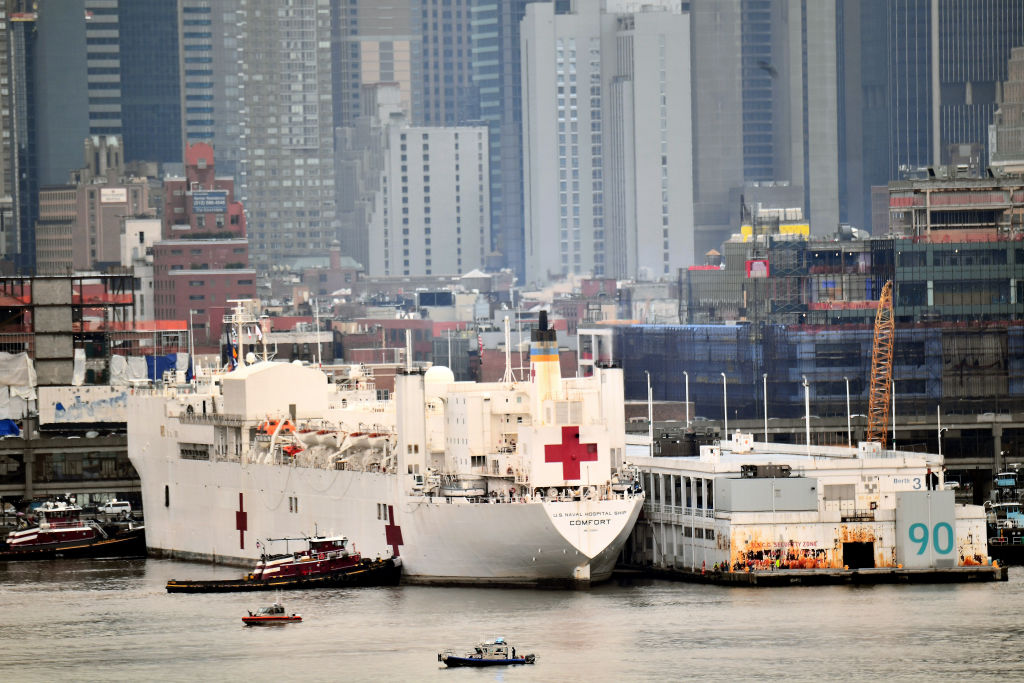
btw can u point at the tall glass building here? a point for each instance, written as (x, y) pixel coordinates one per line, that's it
(132, 62)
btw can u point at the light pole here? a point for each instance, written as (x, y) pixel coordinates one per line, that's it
(938, 426)
(764, 381)
(849, 432)
(894, 414)
(191, 344)
(686, 376)
(725, 406)
(650, 413)
(807, 412)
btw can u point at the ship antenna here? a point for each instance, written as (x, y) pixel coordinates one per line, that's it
(519, 327)
(238, 319)
(508, 377)
(263, 336)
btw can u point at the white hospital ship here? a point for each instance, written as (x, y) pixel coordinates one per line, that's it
(510, 482)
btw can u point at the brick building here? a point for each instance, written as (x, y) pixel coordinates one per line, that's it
(203, 259)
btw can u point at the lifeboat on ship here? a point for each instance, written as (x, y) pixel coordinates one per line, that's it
(355, 441)
(331, 438)
(308, 437)
(269, 427)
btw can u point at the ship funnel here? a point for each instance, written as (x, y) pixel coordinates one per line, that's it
(544, 366)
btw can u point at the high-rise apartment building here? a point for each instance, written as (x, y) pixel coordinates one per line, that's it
(720, 120)
(449, 97)
(608, 165)
(288, 159)
(377, 41)
(432, 215)
(359, 168)
(212, 105)
(497, 80)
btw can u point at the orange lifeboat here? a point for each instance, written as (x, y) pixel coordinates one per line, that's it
(269, 426)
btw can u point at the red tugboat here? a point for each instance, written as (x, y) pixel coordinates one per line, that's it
(55, 529)
(267, 616)
(327, 562)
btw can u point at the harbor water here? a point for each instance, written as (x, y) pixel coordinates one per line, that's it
(112, 620)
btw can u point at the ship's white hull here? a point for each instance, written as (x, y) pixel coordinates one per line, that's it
(217, 511)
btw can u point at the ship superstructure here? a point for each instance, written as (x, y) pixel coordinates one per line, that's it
(501, 482)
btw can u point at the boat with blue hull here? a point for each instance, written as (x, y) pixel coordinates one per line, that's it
(497, 652)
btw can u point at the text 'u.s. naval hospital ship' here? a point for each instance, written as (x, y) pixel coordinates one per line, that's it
(509, 482)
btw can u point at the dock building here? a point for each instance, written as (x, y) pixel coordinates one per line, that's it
(745, 506)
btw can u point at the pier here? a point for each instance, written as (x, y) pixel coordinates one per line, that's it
(825, 577)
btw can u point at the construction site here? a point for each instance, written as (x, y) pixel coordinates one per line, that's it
(86, 318)
(780, 328)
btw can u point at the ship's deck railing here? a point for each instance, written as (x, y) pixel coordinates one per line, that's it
(168, 390)
(817, 451)
(73, 524)
(505, 499)
(212, 419)
(341, 402)
(677, 512)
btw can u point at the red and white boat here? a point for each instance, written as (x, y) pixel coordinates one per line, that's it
(326, 562)
(273, 614)
(323, 556)
(55, 522)
(55, 529)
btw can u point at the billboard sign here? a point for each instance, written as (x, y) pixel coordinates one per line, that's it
(757, 268)
(925, 527)
(113, 195)
(209, 201)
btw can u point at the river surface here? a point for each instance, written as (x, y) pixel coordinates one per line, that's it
(99, 620)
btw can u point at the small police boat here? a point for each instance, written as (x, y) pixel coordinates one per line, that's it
(273, 614)
(495, 652)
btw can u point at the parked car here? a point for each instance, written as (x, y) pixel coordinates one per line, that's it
(116, 507)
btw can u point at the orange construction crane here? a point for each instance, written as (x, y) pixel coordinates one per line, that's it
(881, 368)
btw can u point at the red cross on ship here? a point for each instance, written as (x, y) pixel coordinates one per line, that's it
(570, 453)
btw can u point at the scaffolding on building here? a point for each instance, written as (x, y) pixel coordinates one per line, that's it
(54, 317)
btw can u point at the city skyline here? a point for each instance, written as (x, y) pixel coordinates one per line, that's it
(783, 99)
